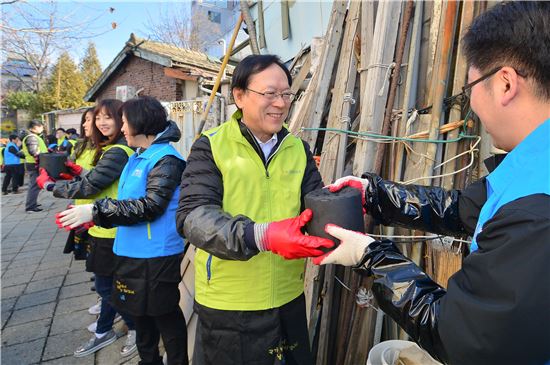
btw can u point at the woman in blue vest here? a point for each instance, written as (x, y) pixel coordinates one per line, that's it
(147, 244)
(108, 159)
(12, 161)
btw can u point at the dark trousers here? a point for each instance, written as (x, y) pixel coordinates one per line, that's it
(32, 193)
(103, 287)
(20, 174)
(12, 175)
(262, 337)
(171, 326)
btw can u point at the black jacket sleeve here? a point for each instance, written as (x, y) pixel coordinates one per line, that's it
(502, 289)
(32, 145)
(426, 208)
(163, 179)
(14, 151)
(312, 178)
(106, 172)
(200, 217)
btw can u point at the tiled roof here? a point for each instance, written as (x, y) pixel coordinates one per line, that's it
(179, 56)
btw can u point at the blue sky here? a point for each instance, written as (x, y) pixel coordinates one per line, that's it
(128, 16)
(98, 18)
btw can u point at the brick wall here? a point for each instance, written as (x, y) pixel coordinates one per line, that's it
(141, 73)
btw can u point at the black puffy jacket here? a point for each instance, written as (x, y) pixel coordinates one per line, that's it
(201, 201)
(162, 181)
(496, 309)
(107, 171)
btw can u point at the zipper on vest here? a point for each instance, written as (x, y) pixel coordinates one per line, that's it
(209, 268)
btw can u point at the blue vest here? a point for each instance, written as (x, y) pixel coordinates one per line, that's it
(148, 239)
(524, 171)
(10, 158)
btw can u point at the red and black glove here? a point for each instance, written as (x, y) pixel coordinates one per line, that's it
(44, 180)
(352, 182)
(286, 239)
(74, 168)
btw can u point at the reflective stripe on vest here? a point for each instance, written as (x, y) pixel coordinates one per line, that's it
(108, 192)
(266, 280)
(41, 148)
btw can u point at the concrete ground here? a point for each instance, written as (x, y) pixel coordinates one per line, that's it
(45, 293)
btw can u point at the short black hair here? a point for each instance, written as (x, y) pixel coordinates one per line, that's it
(35, 123)
(71, 131)
(13, 137)
(253, 64)
(60, 129)
(514, 34)
(145, 115)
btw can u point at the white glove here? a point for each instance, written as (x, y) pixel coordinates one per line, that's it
(76, 215)
(349, 252)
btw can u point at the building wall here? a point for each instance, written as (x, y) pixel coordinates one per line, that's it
(142, 74)
(308, 19)
(67, 121)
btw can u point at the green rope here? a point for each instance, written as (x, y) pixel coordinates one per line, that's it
(461, 135)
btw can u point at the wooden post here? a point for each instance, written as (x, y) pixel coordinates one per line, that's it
(310, 114)
(374, 102)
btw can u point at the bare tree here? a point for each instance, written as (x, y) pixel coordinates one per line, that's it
(36, 31)
(176, 26)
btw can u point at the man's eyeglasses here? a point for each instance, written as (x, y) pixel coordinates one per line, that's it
(467, 89)
(287, 96)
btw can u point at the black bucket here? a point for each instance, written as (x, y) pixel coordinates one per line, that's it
(343, 208)
(54, 163)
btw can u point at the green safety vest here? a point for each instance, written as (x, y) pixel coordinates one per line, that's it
(85, 160)
(41, 148)
(109, 192)
(266, 280)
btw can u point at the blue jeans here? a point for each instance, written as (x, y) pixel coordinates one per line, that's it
(103, 287)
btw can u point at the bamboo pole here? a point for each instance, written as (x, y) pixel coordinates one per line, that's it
(220, 74)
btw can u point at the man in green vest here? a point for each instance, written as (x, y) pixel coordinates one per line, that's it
(33, 145)
(241, 205)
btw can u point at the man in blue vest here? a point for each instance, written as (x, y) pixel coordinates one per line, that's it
(496, 309)
(12, 162)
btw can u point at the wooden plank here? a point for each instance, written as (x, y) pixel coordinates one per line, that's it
(179, 74)
(458, 81)
(439, 81)
(302, 74)
(316, 94)
(374, 102)
(338, 116)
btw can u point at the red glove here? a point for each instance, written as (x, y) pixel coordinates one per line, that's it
(74, 168)
(65, 176)
(43, 179)
(352, 182)
(286, 239)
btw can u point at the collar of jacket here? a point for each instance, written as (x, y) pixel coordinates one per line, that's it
(492, 162)
(247, 134)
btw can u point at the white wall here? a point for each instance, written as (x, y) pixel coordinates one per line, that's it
(308, 19)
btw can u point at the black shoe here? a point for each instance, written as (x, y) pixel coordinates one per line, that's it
(17, 192)
(33, 210)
